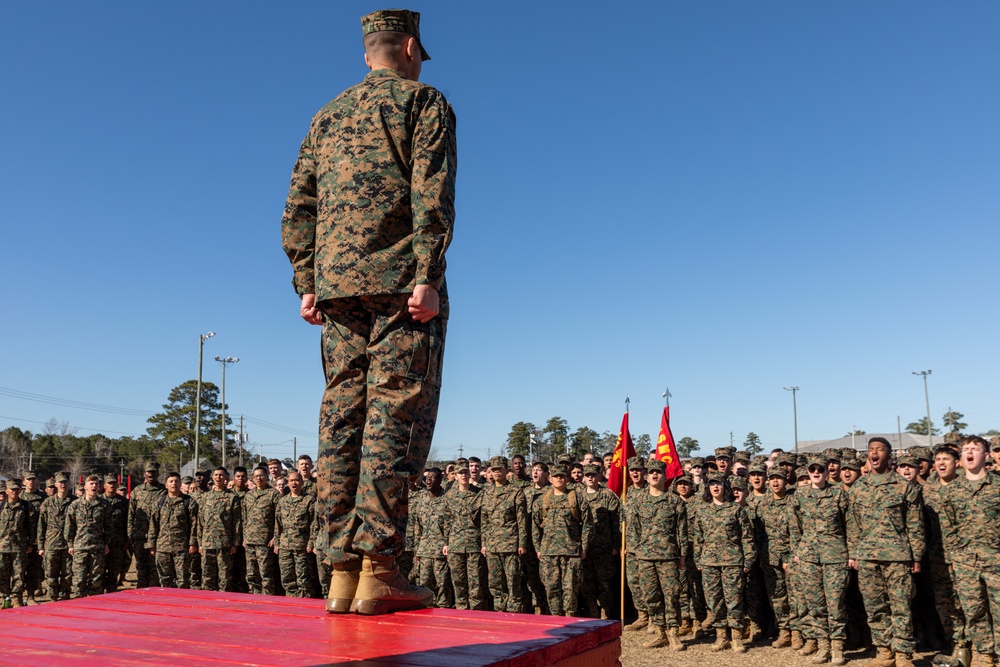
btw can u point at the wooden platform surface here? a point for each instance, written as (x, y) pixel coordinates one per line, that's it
(163, 626)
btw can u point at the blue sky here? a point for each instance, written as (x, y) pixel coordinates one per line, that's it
(722, 197)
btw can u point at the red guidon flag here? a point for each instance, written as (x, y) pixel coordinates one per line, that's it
(666, 450)
(618, 475)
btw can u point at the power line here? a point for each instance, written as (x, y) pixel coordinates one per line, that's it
(65, 402)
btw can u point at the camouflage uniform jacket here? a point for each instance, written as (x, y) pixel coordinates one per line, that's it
(295, 524)
(630, 515)
(974, 506)
(888, 516)
(88, 524)
(605, 510)
(943, 536)
(220, 521)
(16, 526)
(462, 522)
(817, 524)
(723, 536)
(370, 209)
(662, 526)
(691, 507)
(559, 527)
(505, 519)
(52, 523)
(119, 520)
(530, 494)
(35, 500)
(520, 483)
(428, 525)
(259, 507)
(775, 547)
(172, 524)
(138, 510)
(310, 487)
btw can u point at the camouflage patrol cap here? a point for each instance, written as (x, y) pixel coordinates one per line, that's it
(29, 474)
(152, 466)
(698, 462)
(462, 467)
(786, 458)
(559, 470)
(801, 472)
(62, 477)
(187, 479)
(111, 479)
(394, 20)
(592, 469)
(907, 460)
(684, 479)
(49, 483)
(122, 488)
(850, 464)
(738, 483)
(498, 462)
(743, 456)
(724, 452)
(715, 478)
(654, 465)
(757, 468)
(776, 471)
(832, 454)
(13, 485)
(816, 461)
(636, 463)
(922, 453)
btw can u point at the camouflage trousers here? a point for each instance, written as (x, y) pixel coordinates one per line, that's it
(324, 572)
(775, 579)
(505, 581)
(114, 562)
(724, 594)
(405, 564)
(824, 594)
(34, 573)
(11, 574)
(979, 590)
(534, 589)
(467, 580)
(383, 379)
(599, 585)
(194, 571)
(434, 574)
(692, 597)
(145, 568)
(660, 581)
(216, 569)
(755, 598)
(261, 568)
(561, 577)
(887, 588)
(88, 572)
(797, 610)
(946, 601)
(632, 581)
(294, 572)
(58, 573)
(172, 569)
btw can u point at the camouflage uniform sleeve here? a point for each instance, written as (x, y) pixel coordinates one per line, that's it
(313, 523)
(536, 523)
(698, 538)
(154, 529)
(278, 528)
(193, 514)
(432, 198)
(915, 533)
(42, 526)
(794, 527)
(521, 512)
(69, 530)
(108, 526)
(749, 544)
(682, 531)
(298, 224)
(33, 517)
(853, 526)
(131, 514)
(237, 521)
(587, 521)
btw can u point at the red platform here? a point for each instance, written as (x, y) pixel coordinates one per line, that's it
(164, 626)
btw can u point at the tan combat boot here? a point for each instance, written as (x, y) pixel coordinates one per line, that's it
(652, 629)
(884, 657)
(797, 641)
(809, 647)
(737, 642)
(784, 639)
(685, 628)
(721, 640)
(751, 632)
(382, 589)
(343, 586)
(16, 601)
(675, 641)
(822, 653)
(837, 652)
(639, 623)
(904, 660)
(659, 639)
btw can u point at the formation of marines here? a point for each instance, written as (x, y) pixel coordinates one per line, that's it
(820, 552)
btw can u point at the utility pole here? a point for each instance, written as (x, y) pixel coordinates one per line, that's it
(460, 450)
(225, 361)
(197, 399)
(930, 431)
(899, 431)
(241, 440)
(795, 416)
(730, 438)
(853, 432)
(295, 450)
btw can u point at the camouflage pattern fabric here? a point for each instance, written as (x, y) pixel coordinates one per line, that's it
(943, 539)
(34, 572)
(172, 531)
(52, 523)
(259, 507)
(467, 579)
(88, 572)
(140, 501)
(115, 564)
(692, 595)
(505, 581)
(629, 514)
(220, 529)
(561, 534)
(724, 595)
(504, 531)
(173, 568)
(261, 569)
(87, 532)
(660, 580)
(462, 526)
(295, 528)
(17, 527)
(294, 572)
(534, 590)
(887, 587)
(662, 539)
(58, 573)
(429, 539)
(724, 536)
(433, 572)
(561, 576)
(599, 571)
(11, 573)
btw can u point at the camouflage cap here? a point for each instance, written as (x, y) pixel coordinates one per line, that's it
(684, 479)
(394, 20)
(559, 470)
(636, 463)
(850, 464)
(187, 479)
(13, 485)
(698, 462)
(738, 483)
(715, 478)
(724, 452)
(62, 477)
(111, 479)
(592, 469)
(743, 456)
(757, 468)
(907, 460)
(776, 471)
(801, 472)
(786, 458)
(29, 474)
(922, 453)
(498, 462)
(654, 465)
(152, 466)
(49, 483)
(462, 467)
(816, 461)
(122, 488)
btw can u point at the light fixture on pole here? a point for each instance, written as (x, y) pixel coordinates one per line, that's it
(927, 399)
(795, 416)
(225, 361)
(197, 399)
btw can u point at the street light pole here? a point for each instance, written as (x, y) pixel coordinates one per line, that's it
(927, 400)
(225, 361)
(197, 399)
(795, 416)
